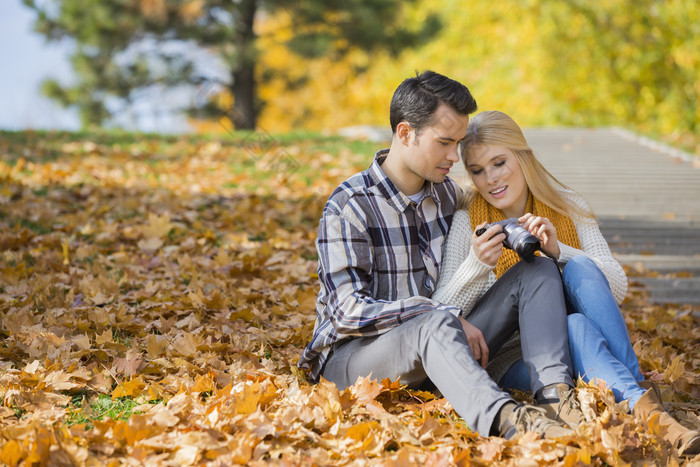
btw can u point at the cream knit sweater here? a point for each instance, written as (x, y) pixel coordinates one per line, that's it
(464, 279)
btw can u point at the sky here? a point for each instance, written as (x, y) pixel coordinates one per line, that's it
(27, 59)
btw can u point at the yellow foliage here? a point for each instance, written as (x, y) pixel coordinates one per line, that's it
(129, 388)
(490, 48)
(624, 63)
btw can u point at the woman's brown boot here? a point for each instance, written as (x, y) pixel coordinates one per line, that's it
(685, 441)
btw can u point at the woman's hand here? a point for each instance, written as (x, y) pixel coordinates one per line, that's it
(476, 341)
(543, 229)
(488, 246)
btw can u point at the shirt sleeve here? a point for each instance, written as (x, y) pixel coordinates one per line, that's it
(346, 262)
(463, 278)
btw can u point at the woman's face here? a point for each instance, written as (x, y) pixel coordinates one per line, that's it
(497, 175)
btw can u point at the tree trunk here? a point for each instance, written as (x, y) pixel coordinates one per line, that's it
(244, 112)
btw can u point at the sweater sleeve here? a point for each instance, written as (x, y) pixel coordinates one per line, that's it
(463, 278)
(595, 247)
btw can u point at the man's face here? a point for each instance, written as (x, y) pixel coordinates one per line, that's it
(434, 150)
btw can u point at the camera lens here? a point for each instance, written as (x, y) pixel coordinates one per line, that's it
(519, 239)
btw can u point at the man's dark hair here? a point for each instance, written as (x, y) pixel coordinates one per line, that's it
(417, 98)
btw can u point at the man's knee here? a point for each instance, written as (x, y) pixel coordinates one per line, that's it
(434, 324)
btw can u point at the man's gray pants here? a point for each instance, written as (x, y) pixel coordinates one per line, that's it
(528, 297)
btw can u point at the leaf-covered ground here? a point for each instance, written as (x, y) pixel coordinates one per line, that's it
(155, 295)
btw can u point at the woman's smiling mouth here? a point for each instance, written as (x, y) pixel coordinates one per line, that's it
(499, 192)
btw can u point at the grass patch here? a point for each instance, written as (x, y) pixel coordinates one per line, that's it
(35, 226)
(120, 408)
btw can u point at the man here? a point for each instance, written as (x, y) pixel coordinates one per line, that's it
(380, 246)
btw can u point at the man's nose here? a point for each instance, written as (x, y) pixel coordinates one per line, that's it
(453, 155)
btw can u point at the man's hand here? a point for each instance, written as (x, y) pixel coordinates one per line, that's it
(489, 245)
(476, 341)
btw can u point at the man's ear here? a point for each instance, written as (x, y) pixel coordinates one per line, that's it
(403, 131)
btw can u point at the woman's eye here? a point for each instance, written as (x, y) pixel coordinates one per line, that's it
(499, 164)
(477, 172)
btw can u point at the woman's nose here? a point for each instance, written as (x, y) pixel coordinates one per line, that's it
(491, 175)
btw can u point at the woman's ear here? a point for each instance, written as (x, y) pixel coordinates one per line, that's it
(403, 131)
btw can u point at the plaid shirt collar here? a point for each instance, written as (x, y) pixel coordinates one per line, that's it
(397, 199)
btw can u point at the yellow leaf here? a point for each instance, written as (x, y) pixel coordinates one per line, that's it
(215, 302)
(82, 341)
(150, 244)
(11, 453)
(675, 370)
(129, 388)
(196, 298)
(203, 383)
(156, 345)
(32, 367)
(253, 396)
(366, 390)
(104, 338)
(362, 430)
(186, 344)
(158, 226)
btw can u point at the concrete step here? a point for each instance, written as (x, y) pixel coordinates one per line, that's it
(676, 290)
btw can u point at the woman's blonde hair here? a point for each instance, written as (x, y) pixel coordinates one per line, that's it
(495, 128)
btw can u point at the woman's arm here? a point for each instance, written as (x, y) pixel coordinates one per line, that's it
(463, 279)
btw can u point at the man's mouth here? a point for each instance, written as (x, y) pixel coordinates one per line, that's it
(444, 170)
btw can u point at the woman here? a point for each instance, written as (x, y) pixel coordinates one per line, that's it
(510, 182)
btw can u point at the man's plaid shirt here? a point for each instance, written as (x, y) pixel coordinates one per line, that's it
(379, 256)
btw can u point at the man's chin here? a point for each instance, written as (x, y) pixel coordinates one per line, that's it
(439, 178)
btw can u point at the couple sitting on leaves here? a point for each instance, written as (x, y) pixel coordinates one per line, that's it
(409, 291)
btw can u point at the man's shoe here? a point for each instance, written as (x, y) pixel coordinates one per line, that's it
(560, 403)
(527, 418)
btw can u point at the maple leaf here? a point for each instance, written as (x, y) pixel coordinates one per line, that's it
(150, 244)
(11, 453)
(675, 370)
(365, 389)
(492, 448)
(203, 383)
(129, 365)
(132, 387)
(158, 226)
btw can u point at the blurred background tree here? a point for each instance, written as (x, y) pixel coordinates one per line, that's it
(126, 47)
(324, 65)
(624, 62)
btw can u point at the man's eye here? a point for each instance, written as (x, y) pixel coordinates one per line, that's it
(444, 143)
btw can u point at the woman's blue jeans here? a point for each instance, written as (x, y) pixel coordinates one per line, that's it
(599, 343)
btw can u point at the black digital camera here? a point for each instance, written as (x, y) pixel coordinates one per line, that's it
(518, 238)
